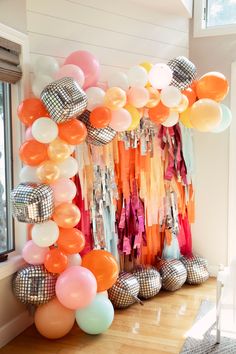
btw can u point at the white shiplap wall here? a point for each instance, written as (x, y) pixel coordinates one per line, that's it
(119, 32)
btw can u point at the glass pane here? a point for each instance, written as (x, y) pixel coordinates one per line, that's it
(221, 12)
(6, 223)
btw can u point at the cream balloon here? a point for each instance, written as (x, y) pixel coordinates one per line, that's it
(160, 76)
(28, 174)
(44, 130)
(68, 168)
(45, 234)
(39, 83)
(171, 96)
(45, 65)
(118, 79)
(205, 115)
(172, 119)
(137, 76)
(95, 97)
(74, 260)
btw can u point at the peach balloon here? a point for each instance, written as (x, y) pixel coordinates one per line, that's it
(182, 106)
(48, 172)
(205, 115)
(138, 96)
(66, 215)
(154, 97)
(53, 320)
(58, 150)
(184, 118)
(115, 98)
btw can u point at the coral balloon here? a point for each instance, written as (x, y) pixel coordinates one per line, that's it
(48, 172)
(32, 152)
(159, 113)
(58, 150)
(64, 190)
(212, 85)
(71, 241)
(66, 215)
(55, 261)
(154, 97)
(120, 120)
(76, 287)
(74, 131)
(191, 95)
(34, 254)
(205, 115)
(88, 63)
(137, 96)
(185, 118)
(135, 115)
(104, 267)
(31, 109)
(53, 320)
(71, 70)
(115, 98)
(100, 117)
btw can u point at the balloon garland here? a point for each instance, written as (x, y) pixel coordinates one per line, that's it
(150, 106)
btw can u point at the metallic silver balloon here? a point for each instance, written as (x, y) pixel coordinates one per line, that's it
(184, 72)
(196, 267)
(32, 203)
(34, 285)
(97, 136)
(64, 99)
(125, 291)
(149, 281)
(173, 273)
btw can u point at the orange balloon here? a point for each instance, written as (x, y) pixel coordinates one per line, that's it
(32, 152)
(58, 150)
(66, 215)
(100, 117)
(71, 241)
(53, 320)
(48, 172)
(191, 95)
(212, 85)
(104, 267)
(31, 109)
(159, 113)
(73, 131)
(55, 261)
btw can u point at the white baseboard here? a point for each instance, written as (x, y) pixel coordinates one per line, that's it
(213, 270)
(14, 327)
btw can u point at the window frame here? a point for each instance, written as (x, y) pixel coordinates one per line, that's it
(199, 23)
(19, 91)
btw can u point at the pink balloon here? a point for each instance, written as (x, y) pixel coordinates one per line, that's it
(89, 65)
(34, 254)
(28, 134)
(138, 96)
(64, 190)
(76, 287)
(73, 71)
(120, 120)
(103, 85)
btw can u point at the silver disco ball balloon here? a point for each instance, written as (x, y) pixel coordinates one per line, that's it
(34, 285)
(173, 274)
(197, 271)
(184, 72)
(149, 281)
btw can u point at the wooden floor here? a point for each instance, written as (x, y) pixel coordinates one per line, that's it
(155, 328)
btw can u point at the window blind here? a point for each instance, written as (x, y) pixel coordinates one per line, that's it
(10, 70)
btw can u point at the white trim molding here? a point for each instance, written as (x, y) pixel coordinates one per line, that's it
(14, 327)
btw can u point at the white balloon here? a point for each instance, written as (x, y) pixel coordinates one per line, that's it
(171, 120)
(104, 293)
(95, 97)
(45, 234)
(68, 168)
(160, 76)
(28, 174)
(39, 83)
(137, 76)
(171, 96)
(44, 130)
(72, 148)
(45, 65)
(118, 79)
(74, 260)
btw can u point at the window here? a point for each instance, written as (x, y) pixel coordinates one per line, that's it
(214, 17)
(6, 170)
